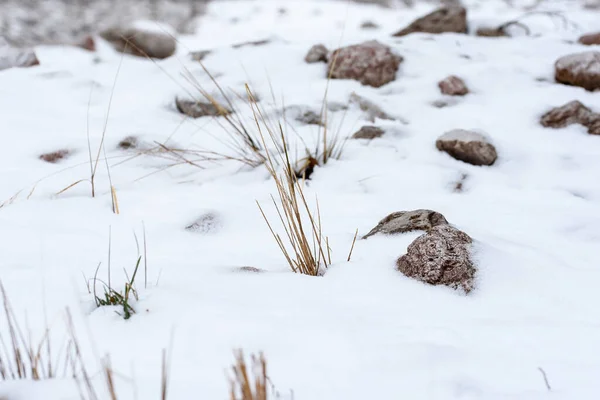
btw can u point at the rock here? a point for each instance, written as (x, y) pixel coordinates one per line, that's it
(55, 156)
(310, 118)
(445, 19)
(253, 270)
(207, 223)
(368, 132)
(130, 142)
(317, 53)
(371, 63)
(369, 25)
(372, 110)
(13, 57)
(491, 32)
(453, 86)
(440, 257)
(143, 39)
(87, 43)
(470, 147)
(590, 39)
(579, 69)
(408, 221)
(573, 112)
(197, 109)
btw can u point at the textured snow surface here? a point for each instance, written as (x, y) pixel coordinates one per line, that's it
(363, 330)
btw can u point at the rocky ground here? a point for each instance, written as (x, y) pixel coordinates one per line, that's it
(442, 160)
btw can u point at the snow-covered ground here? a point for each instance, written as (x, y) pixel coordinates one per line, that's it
(363, 330)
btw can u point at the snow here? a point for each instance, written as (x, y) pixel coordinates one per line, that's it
(464, 136)
(362, 331)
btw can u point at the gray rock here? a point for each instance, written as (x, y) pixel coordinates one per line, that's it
(197, 109)
(573, 112)
(371, 63)
(579, 69)
(408, 221)
(445, 19)
(470, 147)
(440, 257)
(317, 53)
(368, 132)
(137, 40)
(453, 86)
(128, 143)
(207, 223)
(310, 117)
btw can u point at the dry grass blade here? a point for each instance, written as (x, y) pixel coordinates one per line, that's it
(249, 384)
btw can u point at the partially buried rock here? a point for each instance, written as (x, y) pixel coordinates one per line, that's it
(470, 147)
(310, 117)
(55, 156)
(369, 25)
(12, 57)
(372, 111)
(317, 53)
(446, 19)
(143, 39)
(440, 257)
(368, 132)
(371, 63)
(590, 39)
(128, 143)
(574, 112)
(197, 109)
(207, 223)
(453, 86)
(408, 221)
(579, 69)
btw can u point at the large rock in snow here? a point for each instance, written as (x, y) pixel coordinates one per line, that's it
(590, 39)
(440, 257)
(573, 112)
(11, 57)
(408, 221)
(470, 147)
(579, 69)
(445, 19)
(371, 63)
(142, 38)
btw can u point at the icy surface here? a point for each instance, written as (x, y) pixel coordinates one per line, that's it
(363, 330)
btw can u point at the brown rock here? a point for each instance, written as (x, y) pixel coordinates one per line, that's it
(55, 156)
(590, 39)
(140, 41)
(573, 112)
(490, 32)
(445, 19)
(197, 109)
(440, 257)
(453, 86)
(317, 53)
(368, 132)
(371, 63)
(129, 142)
(579, 69)
(407, 221)
(467, 146)
(87, 43)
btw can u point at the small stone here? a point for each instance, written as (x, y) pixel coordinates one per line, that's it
(440, 257)
(490, 32)
(368, 132)
(453, 86)
(199, 55)
(55, 156)
(253, 270)
(207, 223)
(408, 221)
(87, 43)
(451, 19)
(130, 142)
(579, 69)
(197, 109)
(310, 117)
(372, 110)
(590, 39)
(470, 147)
(371, 63)
(369, 25)
(317, 53)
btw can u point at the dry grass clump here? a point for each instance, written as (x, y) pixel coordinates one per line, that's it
(249, 383)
